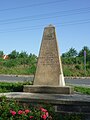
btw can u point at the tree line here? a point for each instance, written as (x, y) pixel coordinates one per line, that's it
(74, 63)
(16, 60)
(74, 57)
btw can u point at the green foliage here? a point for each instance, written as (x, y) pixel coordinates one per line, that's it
(10, 63)
(88, 65)
(73, 64)
(11, 110)
(69, 60)
(22, 63)
(23, 54)
(81, 53)
(18, 87)
(78, 66)
(71, 53)
(1, 53)
(67, 72)
(14, 54)
(18, 63)
(13, 87)
(83, 90)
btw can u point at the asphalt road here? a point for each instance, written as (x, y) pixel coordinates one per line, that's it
(78, 82)
(11, 78)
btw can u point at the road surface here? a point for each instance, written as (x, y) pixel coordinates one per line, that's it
(11, 78)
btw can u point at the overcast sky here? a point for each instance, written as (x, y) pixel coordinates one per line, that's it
(22, 23)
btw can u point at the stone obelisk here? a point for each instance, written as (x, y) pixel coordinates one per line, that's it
(49, 67)
(49, 75)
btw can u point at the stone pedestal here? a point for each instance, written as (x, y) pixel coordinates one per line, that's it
(48, 89)
(49, 75)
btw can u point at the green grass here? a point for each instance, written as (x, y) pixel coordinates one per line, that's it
(82, 90)
(18, 70)
(68, 70)
(18, 87)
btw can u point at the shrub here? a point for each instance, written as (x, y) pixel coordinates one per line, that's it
(78, 67)
(13, 87)
(10, 63)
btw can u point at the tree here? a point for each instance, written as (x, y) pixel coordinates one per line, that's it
(14, 54)
(81, 53)
(1, 53)
(71, 53)
(23, 54)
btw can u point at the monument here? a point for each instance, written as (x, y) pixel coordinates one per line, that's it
(49, 75)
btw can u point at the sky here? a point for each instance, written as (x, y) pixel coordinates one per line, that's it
(22, 23)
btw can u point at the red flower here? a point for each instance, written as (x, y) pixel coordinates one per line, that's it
(44, 117)
(12, 112)
(47, 114)
(43, 110)
(27, 111)
(20, 112)
(31, 117)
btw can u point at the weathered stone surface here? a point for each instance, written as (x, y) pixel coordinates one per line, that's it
(49, 68)
(74, 103)
(49, 75)
(48, 89)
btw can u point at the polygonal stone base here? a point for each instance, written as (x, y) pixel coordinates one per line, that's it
(48, 89)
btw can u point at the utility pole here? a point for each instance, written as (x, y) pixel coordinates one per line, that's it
(85, 62)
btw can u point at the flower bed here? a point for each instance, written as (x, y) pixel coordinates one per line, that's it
(11, 110)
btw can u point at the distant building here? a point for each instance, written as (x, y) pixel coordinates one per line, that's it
(5, 57)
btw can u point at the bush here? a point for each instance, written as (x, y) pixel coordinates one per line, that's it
(78, 67)
(67, 72)
(13, 87)
(10, 63)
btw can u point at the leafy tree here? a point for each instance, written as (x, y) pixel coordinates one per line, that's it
(32, 58)
(23, 54)
(84, 48)
(1, 53)
(69, 57)
(81, 53)
(14, 54)
(23, 58)
(71, 53)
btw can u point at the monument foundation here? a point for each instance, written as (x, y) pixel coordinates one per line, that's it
(49, 75)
